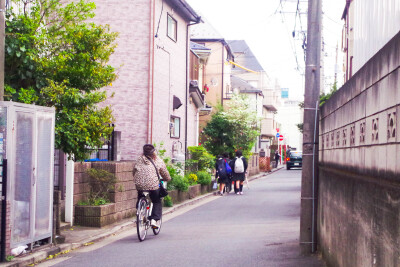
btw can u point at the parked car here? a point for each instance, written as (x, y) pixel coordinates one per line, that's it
(294, 159)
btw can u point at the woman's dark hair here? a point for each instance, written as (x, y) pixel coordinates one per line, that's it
(148, 150)
(225, 155)
(239, 153)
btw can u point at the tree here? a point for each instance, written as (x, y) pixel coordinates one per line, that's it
(235, 128)
(55, 58)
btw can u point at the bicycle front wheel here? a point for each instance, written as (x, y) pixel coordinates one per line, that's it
(141, 219)
(156, 231)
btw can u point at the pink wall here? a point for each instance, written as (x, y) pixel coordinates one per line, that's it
(130, 103)
(169, 80)
(131, 58)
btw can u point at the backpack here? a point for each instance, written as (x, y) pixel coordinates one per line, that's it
(227, 167)
(239, 165)
(221, 168)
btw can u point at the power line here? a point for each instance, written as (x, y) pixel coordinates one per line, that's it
(293, 46)
(331, 19)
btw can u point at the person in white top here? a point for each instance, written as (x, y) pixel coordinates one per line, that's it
(239, 170)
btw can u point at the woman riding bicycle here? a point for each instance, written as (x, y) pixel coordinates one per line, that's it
(146, 179)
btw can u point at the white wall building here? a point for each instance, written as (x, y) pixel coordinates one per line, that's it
(369, 26)
(290, 114)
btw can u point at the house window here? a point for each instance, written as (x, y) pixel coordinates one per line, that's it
(175, 126)
(171, 28)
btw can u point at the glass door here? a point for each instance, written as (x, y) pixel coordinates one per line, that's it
(44, 183)
(23, 172)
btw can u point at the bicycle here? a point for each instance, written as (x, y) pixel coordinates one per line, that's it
(144, 209)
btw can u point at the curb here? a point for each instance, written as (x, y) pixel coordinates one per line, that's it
(187, 203)
(265, 174)
(55, 250)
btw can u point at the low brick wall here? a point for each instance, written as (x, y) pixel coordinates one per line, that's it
(206, 188)
(193, 191)
(95, 216)
(253, 166)
(123, 196)
(81, 181)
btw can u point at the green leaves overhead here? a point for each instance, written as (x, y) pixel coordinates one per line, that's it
(54, 57)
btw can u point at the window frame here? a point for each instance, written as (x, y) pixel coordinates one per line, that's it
(172, 131)
(175, 37)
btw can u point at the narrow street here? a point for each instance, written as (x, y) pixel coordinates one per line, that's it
(259, 228)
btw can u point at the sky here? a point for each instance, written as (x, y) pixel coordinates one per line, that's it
(267, 26)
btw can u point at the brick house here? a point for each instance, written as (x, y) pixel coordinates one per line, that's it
(151, 94)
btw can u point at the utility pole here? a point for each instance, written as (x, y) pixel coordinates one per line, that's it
(308, 212)
(2, 43)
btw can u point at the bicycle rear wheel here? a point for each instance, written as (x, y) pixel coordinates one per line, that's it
(156, 231)
(141, 219)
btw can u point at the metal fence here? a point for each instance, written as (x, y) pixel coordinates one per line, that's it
(106, 152)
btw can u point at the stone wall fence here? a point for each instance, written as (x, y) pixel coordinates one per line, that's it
(359, 170)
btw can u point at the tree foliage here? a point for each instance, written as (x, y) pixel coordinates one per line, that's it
(200, 159)
(54, 57)
(234, 128)
(325, 97)
(322, 100)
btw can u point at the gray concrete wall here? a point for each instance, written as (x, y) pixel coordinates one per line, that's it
(359, 178)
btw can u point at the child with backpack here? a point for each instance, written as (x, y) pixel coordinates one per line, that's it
(239, 169)
(223, 172)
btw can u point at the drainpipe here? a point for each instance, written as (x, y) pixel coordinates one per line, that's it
(187, 81)
(314, 186)
(255, 146)
(222, 80)
(151, 73)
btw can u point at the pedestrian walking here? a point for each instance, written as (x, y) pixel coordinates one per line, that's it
(223, 171)
(146, 179)
(277, 158)
(239, 170)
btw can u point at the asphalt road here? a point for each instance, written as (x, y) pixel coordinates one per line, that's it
(259, 228)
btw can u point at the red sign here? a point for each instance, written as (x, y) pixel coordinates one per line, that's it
(281, 138)
(277, 129)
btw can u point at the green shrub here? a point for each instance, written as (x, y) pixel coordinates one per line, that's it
(101, 182)
(168, 201)
(178, 182)
(82, 203)
(203, 178)
(200, 159)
